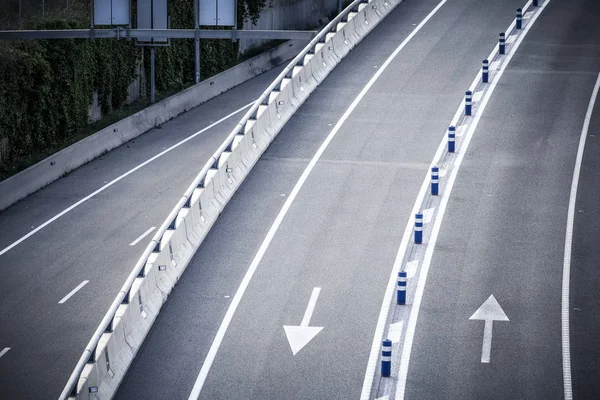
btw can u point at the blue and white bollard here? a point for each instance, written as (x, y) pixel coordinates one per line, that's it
(468, 102)
(519, 18)
(418, 228)
(451, 138)
(386, 357)
(401, 288)
(435, 181)
(502, 43)
(485, 71)
(535, 3)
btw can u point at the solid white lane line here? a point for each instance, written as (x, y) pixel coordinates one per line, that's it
(214, 348)
(311, 307)
(72, 292)
(139, 239)
(566, 278)
(131, 171)
(416, 305)
(3, 352)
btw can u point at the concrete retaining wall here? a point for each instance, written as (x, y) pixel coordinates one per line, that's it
(47, 171)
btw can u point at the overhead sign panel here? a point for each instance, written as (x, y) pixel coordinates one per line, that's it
(152, 14)
(217, 12)
(112, 12)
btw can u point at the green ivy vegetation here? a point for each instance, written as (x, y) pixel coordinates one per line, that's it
(46, 86)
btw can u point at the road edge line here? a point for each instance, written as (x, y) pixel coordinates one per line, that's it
(566, 277)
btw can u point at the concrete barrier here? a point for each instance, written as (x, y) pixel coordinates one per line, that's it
(175, 242)
(52, 168)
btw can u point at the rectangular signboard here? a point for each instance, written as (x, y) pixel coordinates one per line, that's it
(152, 14)
(217, 12)
(112, 12)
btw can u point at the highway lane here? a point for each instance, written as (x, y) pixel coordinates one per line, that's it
(503, 232)
(341, 233)
(92, 242)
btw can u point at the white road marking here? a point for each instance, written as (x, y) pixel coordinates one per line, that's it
(428, 215)
(416, 305)
(395, 332)
(143, 235)
(489, 312)
(131, 171)
(386, 397)
(411, 268)
(212, 352)
(72, 292)
(566, 278)
(4, 351)
(311, 307)
(299, 336)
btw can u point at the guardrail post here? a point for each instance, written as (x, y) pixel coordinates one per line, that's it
(502, 43)
(468, 102)
(386, 358)
(419, 228)
(435, 179)
(451, 138)
(401, 288)
(485, 71)
(519, 18)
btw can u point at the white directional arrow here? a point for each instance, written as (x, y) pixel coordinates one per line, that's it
(299, 336)
(489, 312)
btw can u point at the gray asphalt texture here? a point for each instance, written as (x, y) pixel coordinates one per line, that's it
(504, 229)
(341, 233)
(92, 242)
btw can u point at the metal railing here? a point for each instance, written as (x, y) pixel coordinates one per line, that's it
(139, 271)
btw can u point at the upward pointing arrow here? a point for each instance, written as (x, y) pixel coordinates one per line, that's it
(489, 312)
(299, 336)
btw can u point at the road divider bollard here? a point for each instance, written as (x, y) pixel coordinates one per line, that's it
(535, 3)
(519, 18)
(502, 43)
(485, 71)
(401, 288)
(386, 358)
(418, 228)
(435, 179)
(451, 138)
(468, 102)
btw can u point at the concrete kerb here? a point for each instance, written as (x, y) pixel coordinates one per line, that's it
(194, 215)
(52, 168)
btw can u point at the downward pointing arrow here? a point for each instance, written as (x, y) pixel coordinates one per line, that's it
(489, 312)
(299, 336)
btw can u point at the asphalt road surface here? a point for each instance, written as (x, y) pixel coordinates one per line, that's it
(92, 242)
(503, 233)
(341, 232)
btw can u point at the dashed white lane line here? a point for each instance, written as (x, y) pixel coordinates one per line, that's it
(72, 292)
(214, 348)
(566, 278)
(142, 236)
(4, 351)
(126, 174)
